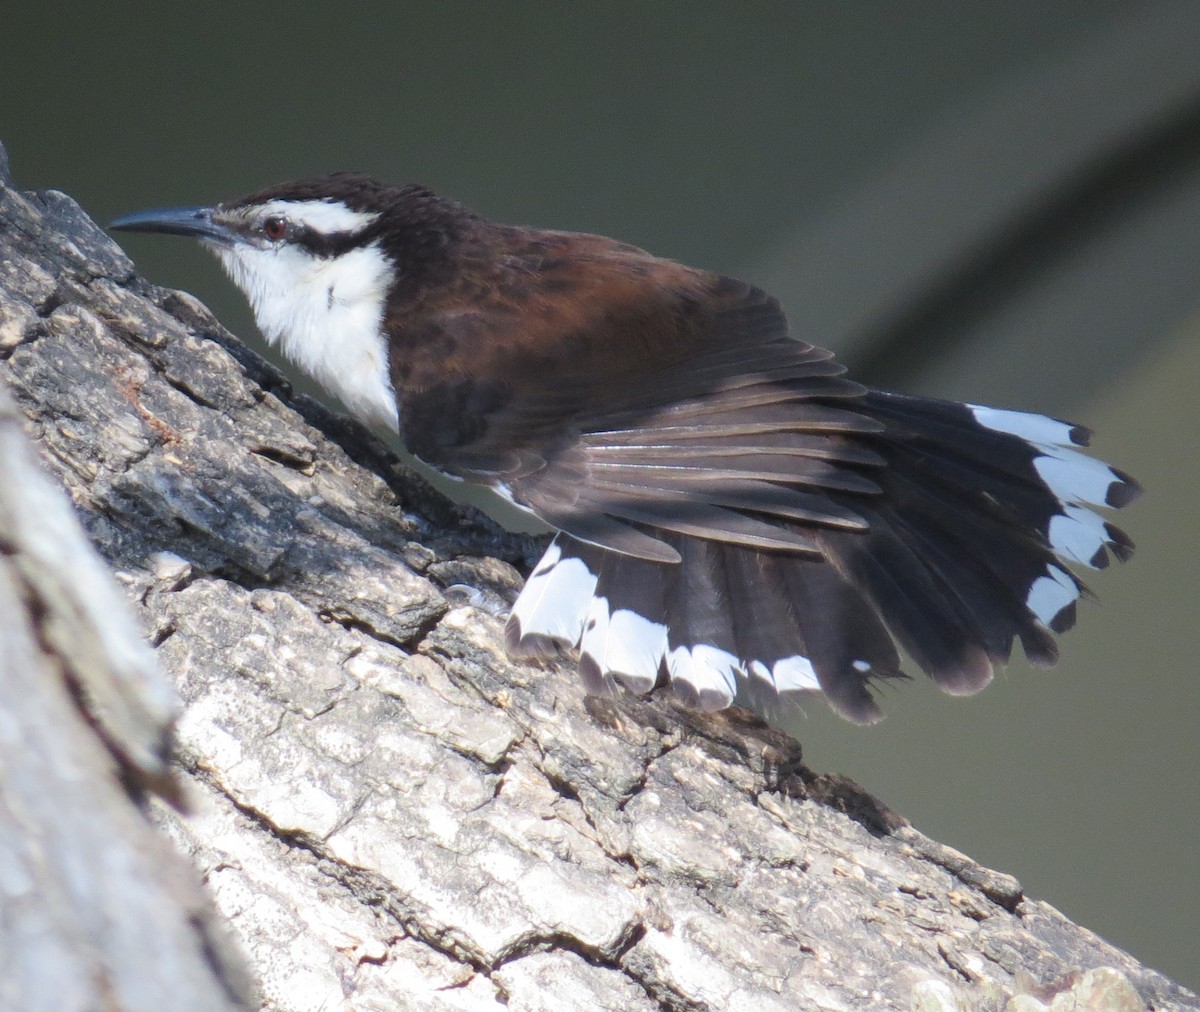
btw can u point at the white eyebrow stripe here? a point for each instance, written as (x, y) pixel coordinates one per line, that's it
(323, 216)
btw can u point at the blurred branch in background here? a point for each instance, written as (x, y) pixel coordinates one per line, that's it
(1049, 228)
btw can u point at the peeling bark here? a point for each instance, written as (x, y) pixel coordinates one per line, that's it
(389, 814)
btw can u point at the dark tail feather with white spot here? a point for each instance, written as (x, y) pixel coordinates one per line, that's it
(726, 624)
(979, 513)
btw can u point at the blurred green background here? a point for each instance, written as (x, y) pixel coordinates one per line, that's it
(998, 203)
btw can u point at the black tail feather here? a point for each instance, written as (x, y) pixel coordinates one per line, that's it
(971, 517)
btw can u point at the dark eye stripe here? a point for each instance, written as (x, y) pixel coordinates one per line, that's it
(328, 244)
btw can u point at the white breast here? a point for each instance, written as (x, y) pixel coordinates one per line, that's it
(326, 314)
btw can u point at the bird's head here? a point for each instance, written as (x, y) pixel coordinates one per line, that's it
(280, 242)
(320, 260)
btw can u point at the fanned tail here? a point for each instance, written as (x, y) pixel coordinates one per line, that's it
(974, 517)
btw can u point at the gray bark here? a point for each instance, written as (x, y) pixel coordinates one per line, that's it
(386, 812)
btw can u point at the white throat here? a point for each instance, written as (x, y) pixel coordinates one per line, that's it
(326, 314)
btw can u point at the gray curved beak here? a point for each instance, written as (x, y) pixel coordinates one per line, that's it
(194, 221)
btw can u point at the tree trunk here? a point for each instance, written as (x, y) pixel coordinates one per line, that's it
(388, 813)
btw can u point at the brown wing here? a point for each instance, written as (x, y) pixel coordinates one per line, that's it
(662, 414)
(615, 394)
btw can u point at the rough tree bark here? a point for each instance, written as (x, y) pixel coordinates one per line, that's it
(387, 813)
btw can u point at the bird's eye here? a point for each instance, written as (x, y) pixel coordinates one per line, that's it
(275, 228)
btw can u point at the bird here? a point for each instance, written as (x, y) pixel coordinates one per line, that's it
(734, 517)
